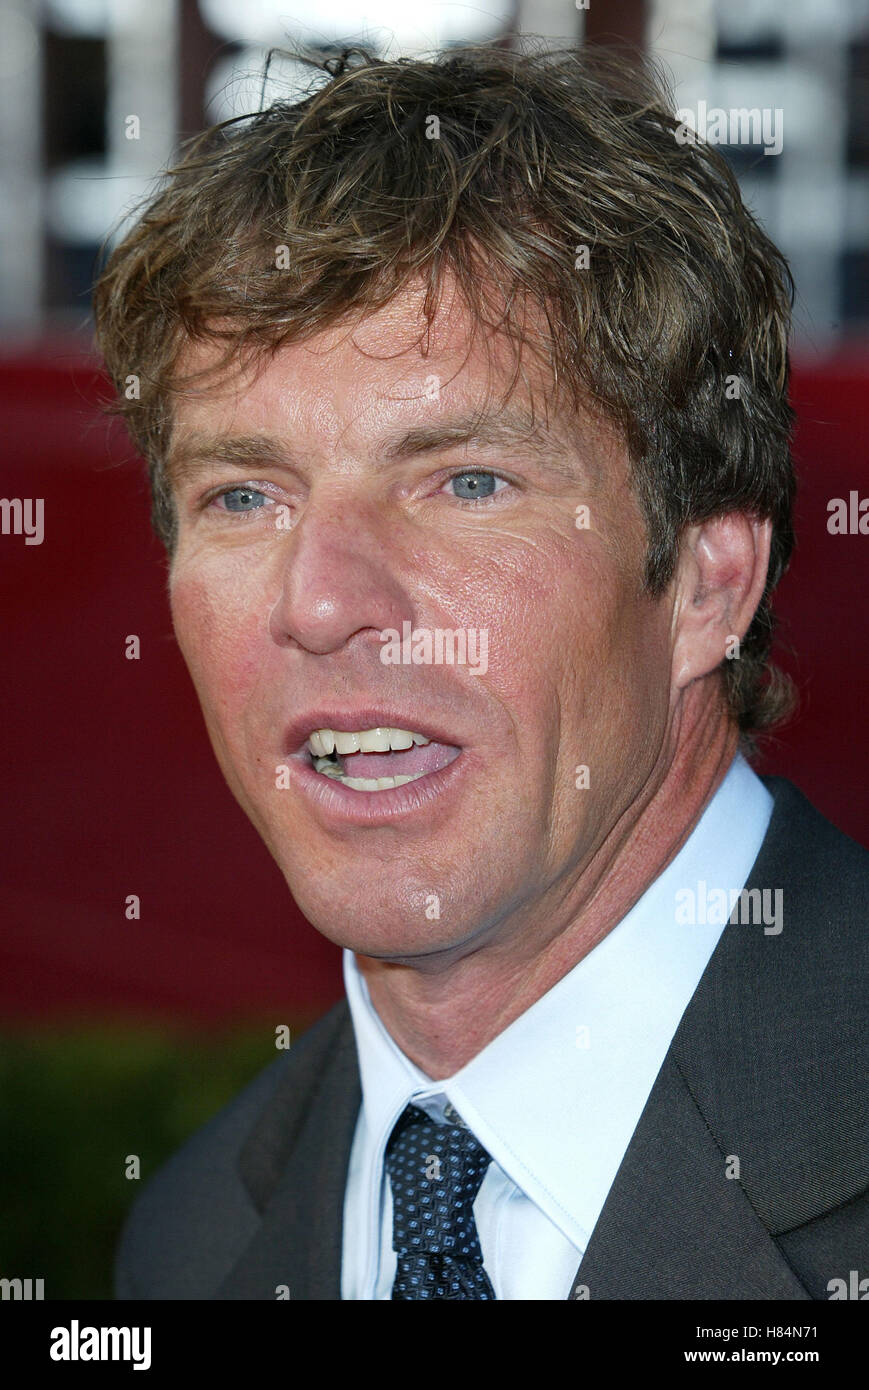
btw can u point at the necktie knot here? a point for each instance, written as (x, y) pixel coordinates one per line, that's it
(435, 1171)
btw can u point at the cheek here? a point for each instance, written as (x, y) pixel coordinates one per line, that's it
(635, 677)
(609, 650)
(217, 630)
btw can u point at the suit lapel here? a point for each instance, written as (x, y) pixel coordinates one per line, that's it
(294, 1165)
(673, 1225)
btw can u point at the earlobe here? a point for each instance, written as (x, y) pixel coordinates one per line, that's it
(720, 582)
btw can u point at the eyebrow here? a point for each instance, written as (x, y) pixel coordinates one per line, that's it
(513, 431)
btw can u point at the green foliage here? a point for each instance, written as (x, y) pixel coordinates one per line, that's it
(73, 1105)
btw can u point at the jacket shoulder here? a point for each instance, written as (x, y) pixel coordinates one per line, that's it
(825, 867)
(196, 1215)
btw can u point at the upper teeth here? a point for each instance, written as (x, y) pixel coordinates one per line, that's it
(322, 742)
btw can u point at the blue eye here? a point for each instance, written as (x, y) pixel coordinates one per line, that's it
(479, 484)
(243, 499)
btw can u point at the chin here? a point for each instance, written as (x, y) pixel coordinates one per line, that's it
(372, 920)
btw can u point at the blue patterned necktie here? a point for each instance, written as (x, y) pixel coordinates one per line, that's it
(435, 1172)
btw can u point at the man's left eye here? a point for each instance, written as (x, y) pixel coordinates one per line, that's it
(241, 499)
(475, 484)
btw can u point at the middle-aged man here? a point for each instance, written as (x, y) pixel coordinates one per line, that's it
(463, 388)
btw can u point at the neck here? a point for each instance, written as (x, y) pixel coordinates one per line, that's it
(442, 1016)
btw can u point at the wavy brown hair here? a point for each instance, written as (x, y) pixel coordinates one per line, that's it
(537, 154)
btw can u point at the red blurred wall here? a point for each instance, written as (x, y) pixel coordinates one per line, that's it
(110, 784)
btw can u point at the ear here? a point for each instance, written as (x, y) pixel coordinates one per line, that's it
(719, 580)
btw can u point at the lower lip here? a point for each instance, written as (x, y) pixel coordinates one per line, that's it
(353, 807)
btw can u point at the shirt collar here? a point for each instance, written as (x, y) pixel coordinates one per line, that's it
(556, 1096)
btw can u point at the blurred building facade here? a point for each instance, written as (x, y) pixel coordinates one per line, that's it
(95, 96)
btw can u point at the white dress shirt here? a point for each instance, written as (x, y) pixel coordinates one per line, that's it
(555, 1097)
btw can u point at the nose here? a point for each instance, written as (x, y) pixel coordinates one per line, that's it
(341, 574)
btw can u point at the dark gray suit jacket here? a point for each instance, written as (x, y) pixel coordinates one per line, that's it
(769, 1064)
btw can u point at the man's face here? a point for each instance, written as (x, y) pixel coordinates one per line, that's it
(349, 511)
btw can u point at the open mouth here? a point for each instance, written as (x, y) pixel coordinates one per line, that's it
(374, 760)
